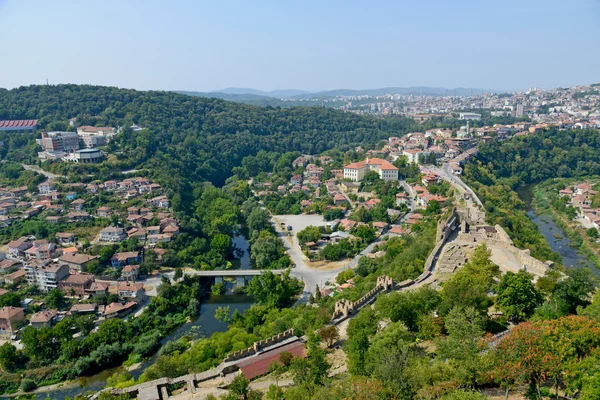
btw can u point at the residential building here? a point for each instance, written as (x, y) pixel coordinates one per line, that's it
(415, 155)
(357, 171)
(103, 211)
(46, 277)
(153, 240)
(43, 319)
(9, 320)
(15, 277)
(118, 310)
(131, 291)
(78, 204)
(17, 248)
(46, 187)
(76, 284)
(83, 309)
(112, 234)
(97, 288)
(130, 272)
(122, 259)
(77, 262)
(65, 238)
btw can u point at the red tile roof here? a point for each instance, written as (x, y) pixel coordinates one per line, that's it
(23, 123)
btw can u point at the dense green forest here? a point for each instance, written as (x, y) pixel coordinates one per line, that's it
(501, 168)
(192, 139)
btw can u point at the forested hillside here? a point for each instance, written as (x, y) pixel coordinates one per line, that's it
(192, 139)
(502, 167)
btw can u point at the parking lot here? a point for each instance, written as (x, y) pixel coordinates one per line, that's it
(299, 222)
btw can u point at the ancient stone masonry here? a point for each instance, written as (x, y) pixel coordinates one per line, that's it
(343, 308)
(257, 346)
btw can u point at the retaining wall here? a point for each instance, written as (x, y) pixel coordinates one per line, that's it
(255, 348)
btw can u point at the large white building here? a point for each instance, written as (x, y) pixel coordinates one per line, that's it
(357, 171)
(470, 115)
(414, 155)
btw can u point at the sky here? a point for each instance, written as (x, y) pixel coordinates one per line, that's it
(306, 44)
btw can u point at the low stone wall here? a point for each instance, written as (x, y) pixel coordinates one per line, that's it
(343, 308)
(255, 348)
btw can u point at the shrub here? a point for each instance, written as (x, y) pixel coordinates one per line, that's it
(27, 385)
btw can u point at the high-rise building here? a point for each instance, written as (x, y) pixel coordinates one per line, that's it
(520, 110)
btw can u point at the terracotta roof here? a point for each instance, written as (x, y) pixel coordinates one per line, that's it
(384, 164)
(130, 268)
(98, 287)
(10, 312)
(125, 255)
(79, 278)
(130, 286)
(43, 316)
(76, 258)
(259, 365)
(83, 307)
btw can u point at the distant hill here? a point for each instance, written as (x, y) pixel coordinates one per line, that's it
(416, 90)
(304, 95)
(279, 94)
(255, 99)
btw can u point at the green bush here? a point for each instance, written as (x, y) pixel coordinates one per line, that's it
(27, 385)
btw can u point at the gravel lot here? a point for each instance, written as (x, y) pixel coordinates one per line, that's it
(299, 222)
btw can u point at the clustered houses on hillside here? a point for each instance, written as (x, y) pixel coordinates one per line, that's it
(61, 260)
(580, 197)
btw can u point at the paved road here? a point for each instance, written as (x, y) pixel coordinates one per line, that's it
(445, 172)
(310, 276)
(37, 169)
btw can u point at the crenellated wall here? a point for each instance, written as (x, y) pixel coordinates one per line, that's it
(344, 307)
(257, 346)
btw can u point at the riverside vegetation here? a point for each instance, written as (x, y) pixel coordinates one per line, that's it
(423, 344)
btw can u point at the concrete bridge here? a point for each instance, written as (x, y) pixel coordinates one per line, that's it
(242, 276)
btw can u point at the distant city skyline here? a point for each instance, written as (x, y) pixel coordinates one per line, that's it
(311, 45)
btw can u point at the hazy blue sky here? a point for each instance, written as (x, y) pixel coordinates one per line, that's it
(310, 45)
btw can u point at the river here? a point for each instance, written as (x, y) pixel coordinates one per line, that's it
(203, 326)
(554, 234)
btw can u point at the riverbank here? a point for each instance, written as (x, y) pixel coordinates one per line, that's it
(557, 231)
(545, 196)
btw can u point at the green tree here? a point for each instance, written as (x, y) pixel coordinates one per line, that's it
(239, 387)
(178, 274)
(309, 234)
(275, 393)
(469, 286)
(592, 233)
(575, 290)
(9, 357)
(274, 290)
(218, 289)
(463, 345)
(222, 244)
(365, 232)
(267, 252)
(258, 220)
(55, 299)
(223, 314)
(517, 296)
